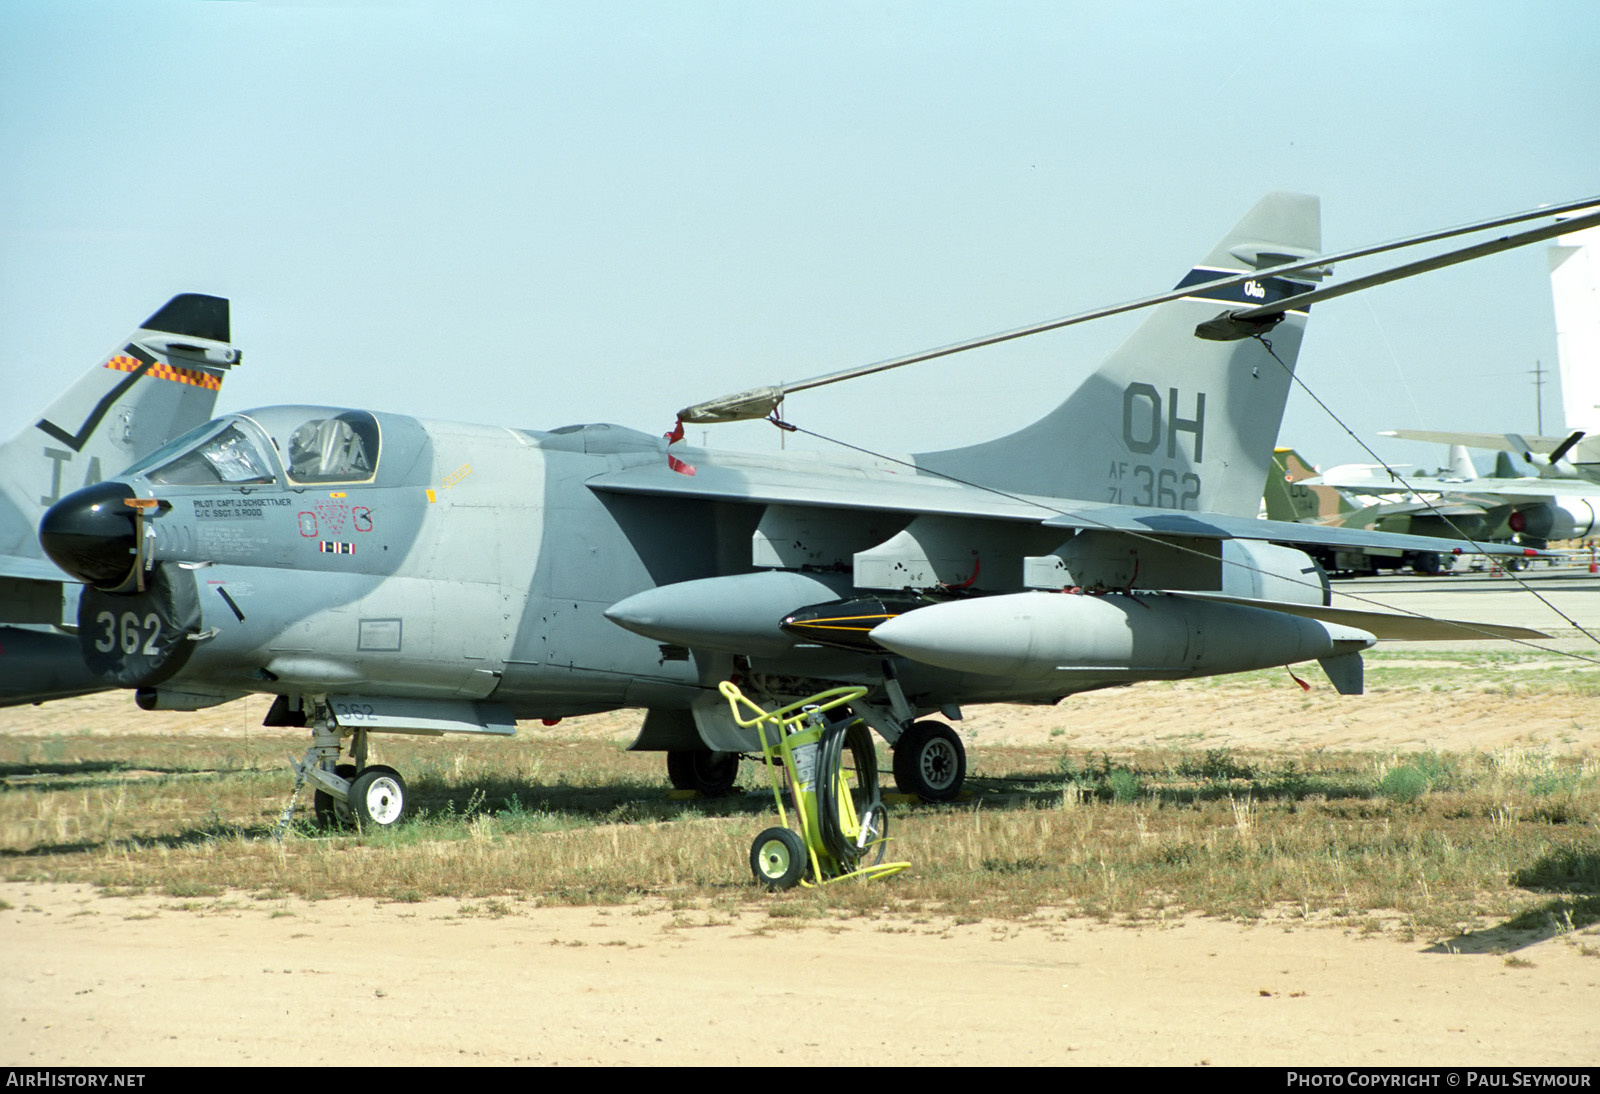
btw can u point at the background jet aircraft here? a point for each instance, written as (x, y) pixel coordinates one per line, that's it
(160, 382)
(1575, 291)
(379, 572)
(1532, 510)
(1295, 491)
(1557, 504)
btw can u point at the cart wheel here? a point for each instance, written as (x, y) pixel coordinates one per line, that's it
(778, 858)
(873, 840)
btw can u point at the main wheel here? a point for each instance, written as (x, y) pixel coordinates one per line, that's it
(1427, 562)
(711, 773)
(930, 762)
(329, 810)
(778, 858)
(378, 797)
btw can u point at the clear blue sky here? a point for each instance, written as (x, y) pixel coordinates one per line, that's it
(544, 213)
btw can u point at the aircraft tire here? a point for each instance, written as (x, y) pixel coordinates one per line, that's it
(1427, 562)
(711, 773)
(378, 797)
(930, 762)
(329, 810)
(778, 859)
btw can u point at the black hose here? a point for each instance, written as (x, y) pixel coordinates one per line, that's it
(848, 732)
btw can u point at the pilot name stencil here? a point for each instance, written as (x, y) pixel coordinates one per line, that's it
(234, 508)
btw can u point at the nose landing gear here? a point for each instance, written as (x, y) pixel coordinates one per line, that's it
(345, 795)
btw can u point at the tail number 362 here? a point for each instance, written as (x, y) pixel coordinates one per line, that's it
(128, 631)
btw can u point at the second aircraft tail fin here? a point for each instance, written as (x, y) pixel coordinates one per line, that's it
(159, 383)
(1288, 499)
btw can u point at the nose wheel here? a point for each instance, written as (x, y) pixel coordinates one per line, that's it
(358, 795)
(377, 798)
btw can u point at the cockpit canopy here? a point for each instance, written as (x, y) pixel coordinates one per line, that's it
(336, 449)
(313, 445)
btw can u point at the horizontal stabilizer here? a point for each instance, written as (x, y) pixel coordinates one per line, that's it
(1399, 628)
(192, 314)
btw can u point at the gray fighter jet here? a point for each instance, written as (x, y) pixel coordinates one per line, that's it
(157, 384)
(380, 572)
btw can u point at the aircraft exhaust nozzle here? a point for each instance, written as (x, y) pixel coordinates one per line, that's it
(1040, 635)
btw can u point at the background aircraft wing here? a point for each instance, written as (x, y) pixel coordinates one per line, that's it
(1461, 498)
(20, 568)
(30, 591)
(1516, 443)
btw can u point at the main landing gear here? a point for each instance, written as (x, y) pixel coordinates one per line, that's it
(930, 762)
(711, 773)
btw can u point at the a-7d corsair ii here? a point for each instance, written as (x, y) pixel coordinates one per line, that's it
(379, 572)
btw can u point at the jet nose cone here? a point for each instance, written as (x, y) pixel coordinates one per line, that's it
(90, 534)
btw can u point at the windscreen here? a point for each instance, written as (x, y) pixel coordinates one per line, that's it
(229, 458)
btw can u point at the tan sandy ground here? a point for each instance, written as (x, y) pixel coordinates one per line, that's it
(89, 979)
(120, 982)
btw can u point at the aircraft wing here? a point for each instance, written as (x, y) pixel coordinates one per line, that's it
(905, 490)
(1176, 522)
(909, 491)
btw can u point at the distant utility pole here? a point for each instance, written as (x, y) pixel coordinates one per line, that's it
(1538, 393)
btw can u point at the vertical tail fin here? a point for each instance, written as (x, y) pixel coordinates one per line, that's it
(1575, 287)
(1169, 419)
(1287, 499)
(159, 383)
(1460, 467)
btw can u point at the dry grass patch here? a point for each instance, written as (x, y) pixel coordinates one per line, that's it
(1512, 836)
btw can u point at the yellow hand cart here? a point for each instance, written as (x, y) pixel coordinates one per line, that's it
(844, 829)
